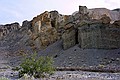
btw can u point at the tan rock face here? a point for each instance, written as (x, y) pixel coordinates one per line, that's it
(42, 17)
(98, 12)
(45, 27)
(40, 21)
(48, 36)
(90, 28)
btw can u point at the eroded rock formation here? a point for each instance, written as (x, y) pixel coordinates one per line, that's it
(92, 32)
(99, 35)
(90, 28)
(45, 28)
(6, 29)
(98, 12)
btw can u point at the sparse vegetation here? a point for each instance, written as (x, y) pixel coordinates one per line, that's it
(3, 78)
(37, 66)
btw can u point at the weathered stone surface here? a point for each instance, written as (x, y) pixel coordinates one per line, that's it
(95, 30)
(97, 13)
(116, 23)
(69, 38)
(92, 28)
(105, 19)
(48, 36)
(49, 27)
(54, 16)
(45, 29)
(6, 29)
(97, 35)
(27, 25)
(87, 35)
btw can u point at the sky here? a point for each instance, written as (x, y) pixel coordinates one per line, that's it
(20, 10)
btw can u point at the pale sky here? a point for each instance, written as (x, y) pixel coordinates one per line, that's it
(20, 10)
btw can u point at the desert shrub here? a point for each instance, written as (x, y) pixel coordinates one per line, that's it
(36, 66)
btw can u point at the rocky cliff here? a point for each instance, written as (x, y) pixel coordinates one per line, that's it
(90, 28)
(6, 29)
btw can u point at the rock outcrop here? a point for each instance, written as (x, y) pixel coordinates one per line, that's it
(98, 12)
(99, 35)
(69, 37)
(6, 29)
(89, 28)
(92, 32)
(47, 28)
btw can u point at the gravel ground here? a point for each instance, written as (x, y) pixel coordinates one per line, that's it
(82, 75)
(73, 57)
(68, 75)
(94, 59)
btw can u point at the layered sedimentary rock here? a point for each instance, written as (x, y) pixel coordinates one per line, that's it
(90, 28)
(69, 37)
(46, 28)
(92, 32)
(97, 13)
(98, 35)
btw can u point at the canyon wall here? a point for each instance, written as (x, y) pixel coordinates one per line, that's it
(89, 28)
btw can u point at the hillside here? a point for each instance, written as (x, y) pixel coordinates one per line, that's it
(88, 39)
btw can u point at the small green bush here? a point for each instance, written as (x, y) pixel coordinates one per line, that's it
(37, 66)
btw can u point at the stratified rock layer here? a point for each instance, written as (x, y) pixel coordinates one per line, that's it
(90, 28)
(98, 35)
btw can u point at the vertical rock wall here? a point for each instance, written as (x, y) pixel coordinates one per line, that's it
(69, 38)
(99, 36)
